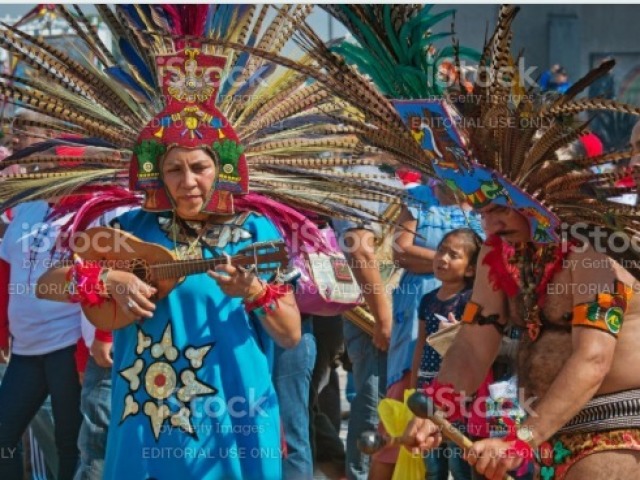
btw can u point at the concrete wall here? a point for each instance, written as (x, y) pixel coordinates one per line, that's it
(587, 30)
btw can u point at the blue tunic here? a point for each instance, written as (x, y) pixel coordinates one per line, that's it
(192, 391)
(433, 222)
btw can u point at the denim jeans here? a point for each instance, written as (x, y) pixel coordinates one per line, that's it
(444, 459)
(369, 367)
(325, 392)
(292, 379)
(41, 428)
(26, 384)
(96, 412)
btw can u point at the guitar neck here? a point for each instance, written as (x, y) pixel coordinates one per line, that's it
(182, 268)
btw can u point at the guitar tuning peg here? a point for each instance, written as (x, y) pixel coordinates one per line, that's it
(288, 276)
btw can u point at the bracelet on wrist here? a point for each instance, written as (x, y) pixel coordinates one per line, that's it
(267, 300)
(255, 296)
(84, 282)
(522, 439)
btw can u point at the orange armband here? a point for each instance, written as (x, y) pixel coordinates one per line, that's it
(606, 313)
(472, 314)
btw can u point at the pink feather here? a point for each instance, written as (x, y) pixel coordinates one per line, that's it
(187, 19)
(300, 233)
(89, 207)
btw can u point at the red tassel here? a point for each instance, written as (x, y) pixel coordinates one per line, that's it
(502, 275)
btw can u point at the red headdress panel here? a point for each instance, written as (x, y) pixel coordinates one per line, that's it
(190, 81)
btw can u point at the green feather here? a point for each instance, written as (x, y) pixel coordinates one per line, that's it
(415, 79)
(408, 27)
(379, 72)
(426, 23)
(417, 49)
(391, 35)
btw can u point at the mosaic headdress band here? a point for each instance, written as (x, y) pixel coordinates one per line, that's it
(435, 125)
(190, 82)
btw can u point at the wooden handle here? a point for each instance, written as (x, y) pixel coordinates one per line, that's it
(451, 432)
(423, 407)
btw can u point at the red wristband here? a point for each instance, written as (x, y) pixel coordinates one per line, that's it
(104, 336)
(268, 300)
(85, 285)
(519, 448)
(445, 397)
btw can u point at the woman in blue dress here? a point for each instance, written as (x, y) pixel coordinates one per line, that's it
(192, 391)
(192, 395)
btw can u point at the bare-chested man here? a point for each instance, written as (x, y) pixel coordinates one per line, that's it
(577, 360)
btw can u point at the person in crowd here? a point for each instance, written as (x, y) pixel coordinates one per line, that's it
(454, 265)
(422, 225)
(368, 355)
(208, 342)
(43, 336)
(546, 268)
(325, 396)
(292, 372)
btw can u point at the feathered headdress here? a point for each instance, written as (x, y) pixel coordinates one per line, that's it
(291, 132)
(399, 50)
(501, 146)
(505, 151)
(190, 119)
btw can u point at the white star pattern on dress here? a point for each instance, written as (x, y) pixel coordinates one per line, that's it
(161, 381)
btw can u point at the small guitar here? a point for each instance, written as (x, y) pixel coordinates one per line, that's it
(158, 266)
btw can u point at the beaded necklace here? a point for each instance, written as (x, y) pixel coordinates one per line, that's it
(526, 269)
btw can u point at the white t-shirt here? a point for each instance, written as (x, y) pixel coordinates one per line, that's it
(36, 326)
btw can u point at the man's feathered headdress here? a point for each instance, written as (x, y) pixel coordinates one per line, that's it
(501, 145)
(506, 153)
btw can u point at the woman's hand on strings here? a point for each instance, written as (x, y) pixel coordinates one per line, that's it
(236, 281)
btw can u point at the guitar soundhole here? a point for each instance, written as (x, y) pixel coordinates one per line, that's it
(140, 269)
